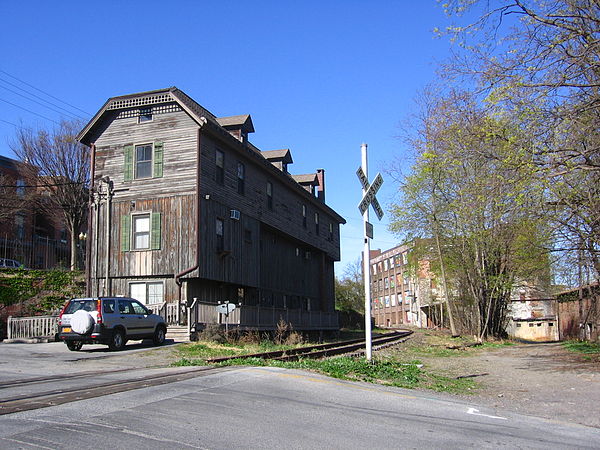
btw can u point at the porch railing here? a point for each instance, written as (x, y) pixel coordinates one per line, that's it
(262, 317)
(32, 327)
(167, 311)
(200, 313)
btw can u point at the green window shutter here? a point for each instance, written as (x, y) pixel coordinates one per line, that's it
(155, 235)
(125, 232)
(128, 167)
(158, 160)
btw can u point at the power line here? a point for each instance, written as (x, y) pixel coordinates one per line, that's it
(29, 111)
(41, 185)
(10, 123)
(39, 103)
(45, 93)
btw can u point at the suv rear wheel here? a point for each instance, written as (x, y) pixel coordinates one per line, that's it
(117, 341)
(74, 346)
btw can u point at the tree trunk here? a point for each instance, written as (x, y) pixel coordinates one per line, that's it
(445, 286)
(74, 237)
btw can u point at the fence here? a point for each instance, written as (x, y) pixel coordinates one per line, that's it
(32, 327)
(40, 252)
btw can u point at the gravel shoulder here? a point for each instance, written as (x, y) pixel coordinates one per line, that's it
(544, 380)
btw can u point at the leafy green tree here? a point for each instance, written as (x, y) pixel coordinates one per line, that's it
(539, 61)
(350, 291)
(471, 206)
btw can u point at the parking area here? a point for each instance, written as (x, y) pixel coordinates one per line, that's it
(53, 358)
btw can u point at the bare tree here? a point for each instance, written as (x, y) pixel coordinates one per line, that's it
(62, 171)
(9, 201)
(539, 61)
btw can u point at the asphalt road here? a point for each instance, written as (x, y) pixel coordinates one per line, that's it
(269, 408)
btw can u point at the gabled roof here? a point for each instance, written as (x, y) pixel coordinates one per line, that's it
(243, 122)
(201, 116)
(283, 155)
(306, 179)
(196, 112)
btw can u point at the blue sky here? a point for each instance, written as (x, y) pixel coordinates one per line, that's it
(318, 77)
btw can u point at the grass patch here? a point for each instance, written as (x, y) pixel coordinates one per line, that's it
(398, 369)
(496, 344)
(586, 348)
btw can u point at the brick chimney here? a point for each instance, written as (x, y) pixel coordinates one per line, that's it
(321, 186)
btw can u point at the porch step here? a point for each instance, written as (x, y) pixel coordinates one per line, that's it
(179, 333)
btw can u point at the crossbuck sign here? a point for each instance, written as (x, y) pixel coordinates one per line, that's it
(369, 197)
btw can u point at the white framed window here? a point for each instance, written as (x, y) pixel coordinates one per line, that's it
(141, 231)
(143, 161)
(146, 292)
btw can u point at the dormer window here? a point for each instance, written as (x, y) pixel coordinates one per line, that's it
(145, 115)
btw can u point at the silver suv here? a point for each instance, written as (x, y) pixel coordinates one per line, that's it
(108, 320)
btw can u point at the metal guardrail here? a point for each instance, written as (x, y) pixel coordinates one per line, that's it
(32, 327)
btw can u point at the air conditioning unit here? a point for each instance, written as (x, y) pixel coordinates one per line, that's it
(234, 214)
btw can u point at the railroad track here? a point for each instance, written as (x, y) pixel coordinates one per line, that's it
(97, 387)
(355, 346)
(60, 396)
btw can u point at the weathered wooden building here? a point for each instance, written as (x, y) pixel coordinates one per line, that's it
(184, 206)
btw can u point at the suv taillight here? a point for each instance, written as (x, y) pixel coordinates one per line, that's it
(99, 310)
(62, 311)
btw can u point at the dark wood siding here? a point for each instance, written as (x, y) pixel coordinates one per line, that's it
(267, 257)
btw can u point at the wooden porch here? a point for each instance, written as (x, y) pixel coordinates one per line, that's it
(193, 318)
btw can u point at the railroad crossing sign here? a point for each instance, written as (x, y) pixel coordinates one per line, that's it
(369, 197)
(225, 308)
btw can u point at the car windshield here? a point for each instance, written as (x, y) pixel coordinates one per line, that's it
(85, 304)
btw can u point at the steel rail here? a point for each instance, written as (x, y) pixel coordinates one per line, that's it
(61, 396)
(38, 380)
(316, 351)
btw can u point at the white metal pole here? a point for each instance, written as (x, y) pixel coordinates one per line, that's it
(366, 263)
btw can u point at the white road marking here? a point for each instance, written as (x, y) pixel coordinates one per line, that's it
(476, 412)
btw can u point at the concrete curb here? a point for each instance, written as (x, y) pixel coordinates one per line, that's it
(28, 341)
